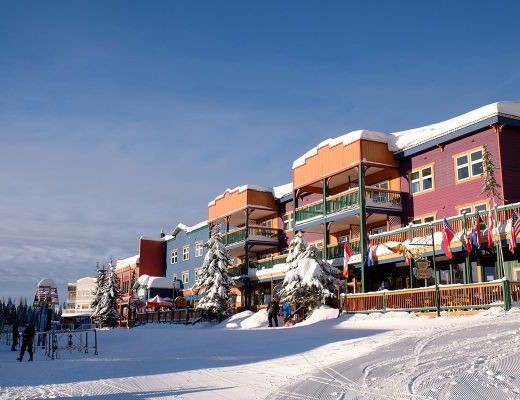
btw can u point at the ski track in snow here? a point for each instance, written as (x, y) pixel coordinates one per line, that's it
(435, 366)
(452, 358)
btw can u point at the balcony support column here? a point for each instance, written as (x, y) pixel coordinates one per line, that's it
(362, 223)
(325, 194)
(325, 241)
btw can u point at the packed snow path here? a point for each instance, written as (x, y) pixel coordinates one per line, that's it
(476, 362)
(393, 356)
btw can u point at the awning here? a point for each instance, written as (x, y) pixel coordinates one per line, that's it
(158, 301)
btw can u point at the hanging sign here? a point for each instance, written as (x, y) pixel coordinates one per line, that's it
(423, 270)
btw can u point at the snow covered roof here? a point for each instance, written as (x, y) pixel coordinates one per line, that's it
(47, 283)
(157, 282)
(282, 190)
(414, 137)
(402, 140)
(181, 227)
(125, 262)
(241, 189)
(348, 138)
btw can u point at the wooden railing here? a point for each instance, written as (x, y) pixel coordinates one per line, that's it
(377, 198)
(451, 297)
(270, 262)
(459, 224)
(181, 315)
(241, 234)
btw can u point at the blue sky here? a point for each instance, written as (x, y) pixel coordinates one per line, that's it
(122, 118)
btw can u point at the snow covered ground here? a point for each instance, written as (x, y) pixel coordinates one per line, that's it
(392, 356)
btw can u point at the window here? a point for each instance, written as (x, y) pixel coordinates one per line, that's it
(379, 229)
(198, 274)
(469, 165)
(267, 224)
(473, 208)
(186, 253)
(185, 277)
(343, 239)
(199, 249)
(381, 185)
(423, 220)
(421, 180)
(287, 221)
(175, 254)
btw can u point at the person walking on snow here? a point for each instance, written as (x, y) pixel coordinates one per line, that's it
(286, 311)
(27, 342)
(272, 312)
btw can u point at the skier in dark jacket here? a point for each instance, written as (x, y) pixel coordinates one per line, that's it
(272, 312)
(27, 342)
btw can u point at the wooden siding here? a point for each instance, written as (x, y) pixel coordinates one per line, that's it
(377, 152)
(235, 201)
(510, 170)
(330, 160)
(327, 161)
(448, 194)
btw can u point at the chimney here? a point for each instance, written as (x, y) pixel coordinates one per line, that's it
(162, 234)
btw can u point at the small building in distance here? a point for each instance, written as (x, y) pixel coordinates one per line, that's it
(80, 295)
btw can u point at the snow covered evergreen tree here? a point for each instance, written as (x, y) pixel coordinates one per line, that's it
(105, 301)
(309, 280)
(490, 186)
(297, 249)
(214, 281)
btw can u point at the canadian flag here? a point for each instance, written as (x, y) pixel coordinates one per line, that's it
(491, 226)
(347, 253)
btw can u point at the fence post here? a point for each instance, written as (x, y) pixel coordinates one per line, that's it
(385, 300)
(507, 294)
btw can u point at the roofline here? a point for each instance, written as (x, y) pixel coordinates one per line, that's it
(458, 133)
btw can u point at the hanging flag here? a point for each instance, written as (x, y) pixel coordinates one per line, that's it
(469, 241)
(515, 230)
(479, 225)
(370, 255)
(491, 226)
(447, 236)
(475, 245)
(347, 253)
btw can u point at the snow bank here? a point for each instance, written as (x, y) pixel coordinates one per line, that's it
(236, 320)
(257, 320)
(382, 316)
(321, 313)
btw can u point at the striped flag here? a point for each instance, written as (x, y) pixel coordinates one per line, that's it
(347, 253)
(515, 230)
(447, 236)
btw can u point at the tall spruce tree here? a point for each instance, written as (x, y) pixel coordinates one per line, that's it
(490, 186)
(214, 282)
(309, 280)
(105, 313)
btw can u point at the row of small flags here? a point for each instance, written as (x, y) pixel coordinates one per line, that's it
(470, 242)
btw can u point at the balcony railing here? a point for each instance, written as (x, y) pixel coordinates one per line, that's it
(310, 211)
(270, 262)
(255, 233)
(336, 251)
(459, 223)
(238, 270)
(349, 200)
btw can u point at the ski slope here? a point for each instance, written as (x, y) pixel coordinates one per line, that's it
(392, 356)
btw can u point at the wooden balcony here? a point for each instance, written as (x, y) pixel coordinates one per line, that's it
(349, 200)
(253, 233)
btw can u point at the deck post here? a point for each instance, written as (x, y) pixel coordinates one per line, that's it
(437, 292)
(507, 294)
(362, 223)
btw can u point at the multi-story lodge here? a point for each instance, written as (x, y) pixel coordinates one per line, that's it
(380, 188)
(80, 295)
(149, 261)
